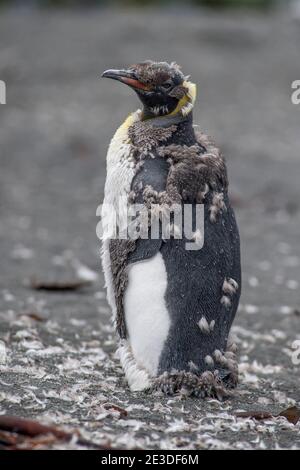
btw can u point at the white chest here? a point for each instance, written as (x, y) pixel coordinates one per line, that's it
(120, 173)
(146, 314)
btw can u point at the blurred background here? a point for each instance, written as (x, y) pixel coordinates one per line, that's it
(60, 117)
(101, 3)
(141, 3)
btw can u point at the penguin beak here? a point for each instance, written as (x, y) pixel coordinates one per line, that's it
(125, 76)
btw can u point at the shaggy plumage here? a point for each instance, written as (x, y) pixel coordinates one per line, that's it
(169, 163)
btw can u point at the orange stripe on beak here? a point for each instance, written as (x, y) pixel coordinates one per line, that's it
(135, 83)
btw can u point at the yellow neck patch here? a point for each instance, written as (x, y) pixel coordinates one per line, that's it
(121, 134)
(184, 106)
(186, 103)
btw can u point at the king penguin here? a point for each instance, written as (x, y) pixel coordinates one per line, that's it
(172, 307)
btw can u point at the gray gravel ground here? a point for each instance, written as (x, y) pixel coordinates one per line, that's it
(57, 348)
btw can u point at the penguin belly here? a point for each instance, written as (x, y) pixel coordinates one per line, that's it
(146, 314)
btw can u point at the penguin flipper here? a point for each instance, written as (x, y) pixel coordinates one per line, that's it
(151, 177)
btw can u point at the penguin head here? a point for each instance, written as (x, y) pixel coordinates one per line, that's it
(161, 87)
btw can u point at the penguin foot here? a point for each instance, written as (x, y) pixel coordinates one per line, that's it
(209, 384)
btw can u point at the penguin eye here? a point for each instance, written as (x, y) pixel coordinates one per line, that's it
(166, 85)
